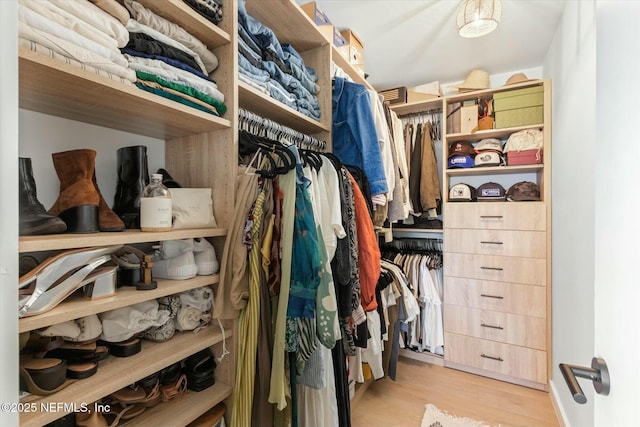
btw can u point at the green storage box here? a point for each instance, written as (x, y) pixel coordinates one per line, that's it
(519, 107)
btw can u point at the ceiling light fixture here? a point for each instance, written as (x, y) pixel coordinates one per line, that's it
(477, 18)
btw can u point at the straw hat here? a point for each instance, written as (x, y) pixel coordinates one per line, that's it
(476, 79)
(517, 78)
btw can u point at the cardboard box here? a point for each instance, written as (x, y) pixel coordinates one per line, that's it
(356, 49)
(413, 96)
(524, 157)
(519, 117)
(394, 96)
(519, 107)
(432, 88)
(339, 41)
(316, 15)
(468, 118)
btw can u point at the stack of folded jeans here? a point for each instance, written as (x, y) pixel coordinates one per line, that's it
(273, 68)
(170, 62)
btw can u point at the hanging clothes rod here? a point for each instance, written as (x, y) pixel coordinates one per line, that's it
(261, 126)
(421, 113)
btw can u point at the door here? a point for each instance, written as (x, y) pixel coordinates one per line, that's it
(617, 220)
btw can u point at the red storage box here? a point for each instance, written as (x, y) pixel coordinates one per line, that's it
(524, 157)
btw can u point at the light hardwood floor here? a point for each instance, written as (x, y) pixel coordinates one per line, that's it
(400, 403)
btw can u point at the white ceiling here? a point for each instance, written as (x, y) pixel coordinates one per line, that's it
(410, 42)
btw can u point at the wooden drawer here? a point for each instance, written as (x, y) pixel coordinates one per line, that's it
(532, 244)
(527, 271)
(506, 359)
(512, 298)
(496, 215)
(507, 328)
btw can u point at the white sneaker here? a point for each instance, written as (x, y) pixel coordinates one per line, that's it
(205, 256)
(173, 248)
(181, 267)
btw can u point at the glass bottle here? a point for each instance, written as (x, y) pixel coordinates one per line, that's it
(155, 206)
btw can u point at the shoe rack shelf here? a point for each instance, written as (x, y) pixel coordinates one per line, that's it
(77, 306)
(72, 241)
(115, 373)
(184, 410)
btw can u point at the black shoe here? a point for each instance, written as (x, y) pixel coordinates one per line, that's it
(133, 177)
(34, 218)
(167, 180)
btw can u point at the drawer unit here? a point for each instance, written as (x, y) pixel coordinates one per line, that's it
(513, 298)
(496, 215)
(496, 326)
(527, 271)
(514, 361)
(532, 244)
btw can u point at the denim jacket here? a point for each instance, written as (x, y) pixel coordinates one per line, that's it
(355, 141)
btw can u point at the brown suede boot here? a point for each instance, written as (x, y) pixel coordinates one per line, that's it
(107, 219)
(78, 202)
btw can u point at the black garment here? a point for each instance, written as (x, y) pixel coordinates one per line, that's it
(147, 44)
(363, 183)
(211, 13)
(362, 335)
(415, 170)
(342, 385)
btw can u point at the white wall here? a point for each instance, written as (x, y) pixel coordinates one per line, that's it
(8, 211)
(571, 66)
(41, 135)
(617, 231)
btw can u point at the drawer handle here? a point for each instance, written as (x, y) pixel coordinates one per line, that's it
(491, 296)
(484, 325)
(499, 359)
(491, 216)
(484, 242)
(492, 268)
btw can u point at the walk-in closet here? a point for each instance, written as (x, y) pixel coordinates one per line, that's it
(294, 213)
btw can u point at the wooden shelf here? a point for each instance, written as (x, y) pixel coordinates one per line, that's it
(180, 13)
(53, 87)
(182, 411)
(417, 106)
(489, 133)
(342, 62)
(425, 357)
(495, 170)
(77, 306)
(71, 241)
(289, 23)
(457, 97)
(115, 373)
(270, 108)
(417, 231)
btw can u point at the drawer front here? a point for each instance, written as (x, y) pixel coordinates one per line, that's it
(506, 359)
(496, 215)
(531, 244)
(527, 271)
(496, 326)
(512, 298)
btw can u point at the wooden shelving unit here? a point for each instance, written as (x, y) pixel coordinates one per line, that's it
(115, 373)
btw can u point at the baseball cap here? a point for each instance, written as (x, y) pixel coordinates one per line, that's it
(462, 193)
(491, 192)
(458, 161)
(460, 148)
(488, 158)
(523, 191)
(489, 144)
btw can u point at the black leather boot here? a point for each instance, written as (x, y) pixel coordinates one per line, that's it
(133, 177)
(34, 218)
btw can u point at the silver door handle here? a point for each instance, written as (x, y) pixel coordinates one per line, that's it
(598, 374)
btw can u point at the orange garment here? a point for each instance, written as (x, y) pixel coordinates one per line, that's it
(368, 250)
